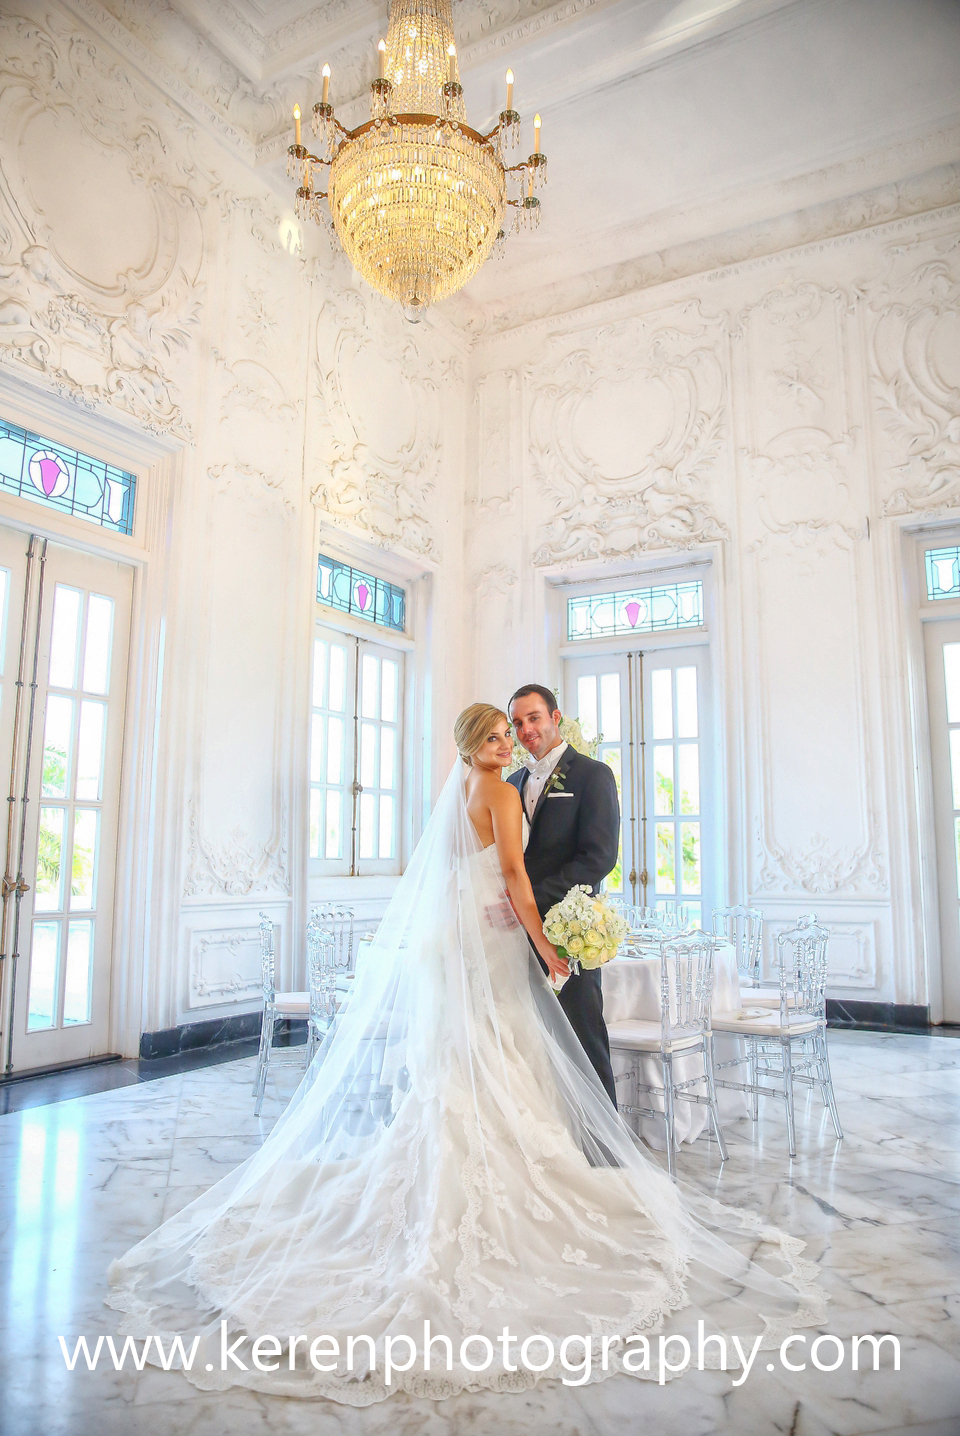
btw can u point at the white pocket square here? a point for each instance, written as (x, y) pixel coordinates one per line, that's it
(561, 795)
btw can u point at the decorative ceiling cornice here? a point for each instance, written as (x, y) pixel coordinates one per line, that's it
(912, 203)
(241, 82)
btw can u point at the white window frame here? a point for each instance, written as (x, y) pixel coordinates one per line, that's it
(352, 861)
(663, 574)
(938, 952)
(327, 880)
(611, 577)
(143, 991)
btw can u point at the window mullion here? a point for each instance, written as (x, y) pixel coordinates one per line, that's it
(356, 789)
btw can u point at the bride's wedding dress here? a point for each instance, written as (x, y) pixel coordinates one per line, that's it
(451, 1157)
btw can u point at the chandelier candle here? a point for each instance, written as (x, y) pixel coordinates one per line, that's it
(296, 125)
(418, 199)
(326, 85)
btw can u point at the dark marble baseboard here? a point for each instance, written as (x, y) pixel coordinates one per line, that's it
(878, 1016)
(191, 1036)
(218, 1031)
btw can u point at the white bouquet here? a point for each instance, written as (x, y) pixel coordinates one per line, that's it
(584, 929)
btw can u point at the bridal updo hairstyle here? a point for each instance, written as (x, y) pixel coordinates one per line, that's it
(473, 727)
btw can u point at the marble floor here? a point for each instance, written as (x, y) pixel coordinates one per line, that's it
(81, 1180)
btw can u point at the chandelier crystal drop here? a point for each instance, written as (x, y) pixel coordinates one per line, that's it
(416, 198)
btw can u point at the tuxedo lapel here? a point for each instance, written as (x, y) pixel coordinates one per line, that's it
(561, 770)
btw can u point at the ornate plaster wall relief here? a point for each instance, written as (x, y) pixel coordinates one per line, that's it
(801, 486)
(497, 431)
(498, 578)
(378, 427)
(236, 865)
(258, 397)
(197, 74)
(818, 829)
(224, 965)
(802, 455)
(915, 373)
(103, 312)
(626, 438)
(851, 954)
(259, 493)
(248, 385)
(820, 867)
(264, 288)
(246, 558)
(803, 500)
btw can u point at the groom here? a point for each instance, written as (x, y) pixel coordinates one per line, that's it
(574, 814)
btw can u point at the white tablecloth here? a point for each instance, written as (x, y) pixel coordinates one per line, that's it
(631, 990)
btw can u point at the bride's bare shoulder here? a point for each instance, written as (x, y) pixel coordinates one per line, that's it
(504, 796)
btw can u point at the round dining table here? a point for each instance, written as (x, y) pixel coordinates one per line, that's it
(631, 991)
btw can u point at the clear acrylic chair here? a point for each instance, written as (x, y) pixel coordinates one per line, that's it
(684, 1031)
(742, 927)
(338, 921)
(768, 994)
(277, 1007)
(329, 957)
(787, 1045)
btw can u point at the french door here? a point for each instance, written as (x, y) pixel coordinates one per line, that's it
(64, 763)
(355, 755)
(942, 645)
(651, 712)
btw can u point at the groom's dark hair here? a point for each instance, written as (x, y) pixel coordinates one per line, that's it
(548, 697)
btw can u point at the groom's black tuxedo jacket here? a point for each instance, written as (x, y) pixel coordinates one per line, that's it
(574, 838)
(575, 829)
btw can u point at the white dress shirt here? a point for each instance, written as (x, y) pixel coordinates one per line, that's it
(540, 770)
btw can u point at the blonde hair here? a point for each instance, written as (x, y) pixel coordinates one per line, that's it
(473, 727)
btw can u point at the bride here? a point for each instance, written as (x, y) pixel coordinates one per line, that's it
(450, 1201)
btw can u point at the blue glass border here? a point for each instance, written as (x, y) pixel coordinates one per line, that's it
(936, 561)
(360, 594)
(70, 482)
(609, 615)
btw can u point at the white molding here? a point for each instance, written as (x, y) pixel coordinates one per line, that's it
(636, 290)
(156, 464)
(236, 948)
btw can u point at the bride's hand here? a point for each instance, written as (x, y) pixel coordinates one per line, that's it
(559, 968)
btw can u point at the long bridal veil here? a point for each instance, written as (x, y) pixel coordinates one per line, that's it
(451, 1157)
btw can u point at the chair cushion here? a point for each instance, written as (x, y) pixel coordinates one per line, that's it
(639, 1036)
(758, 997)
(768, 1026)
(292, 1004)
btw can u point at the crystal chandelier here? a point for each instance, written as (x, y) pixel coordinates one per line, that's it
(417, 199)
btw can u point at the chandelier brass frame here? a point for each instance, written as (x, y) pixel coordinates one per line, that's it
(417, 198)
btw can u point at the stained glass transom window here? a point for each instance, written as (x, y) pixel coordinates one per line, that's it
(361, 594)
(943, 572)
(636, 610)
(36, 468)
